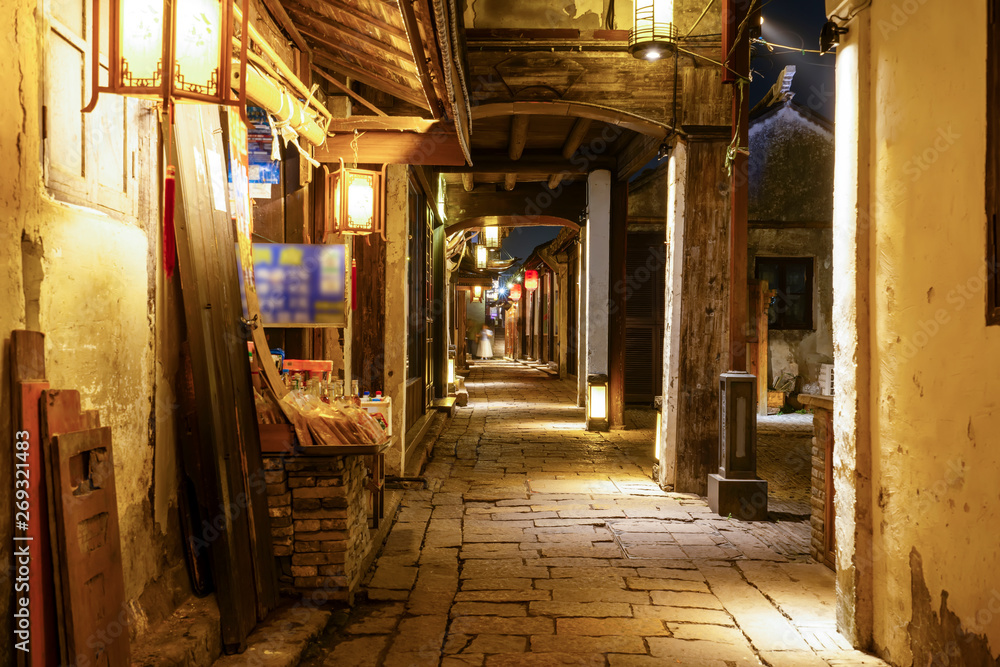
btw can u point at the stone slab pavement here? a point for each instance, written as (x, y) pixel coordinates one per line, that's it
(539, 543)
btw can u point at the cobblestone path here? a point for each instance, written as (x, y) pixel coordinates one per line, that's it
(537, 543)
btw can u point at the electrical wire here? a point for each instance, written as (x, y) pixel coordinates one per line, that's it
(703, 12)
(857, 10)
(790, 48)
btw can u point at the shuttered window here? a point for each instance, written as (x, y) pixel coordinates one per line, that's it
(88, 159)
(792, 280)
(993, 166)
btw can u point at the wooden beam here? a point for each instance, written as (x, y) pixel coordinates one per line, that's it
(344, 88)
(518, 136)
(795, 224)
(555, 180)
(281, 16)
(392, 147)
(417, 49)
(623, 119)
(319, 6)
(509, 181)
(468, 181)
(636, 155)
(364, 57)
(492, 162)
(575, 137)
(387, 123)
(532, 199)
(512, 221)
(426, 17)
(394, 88)
(319, 24)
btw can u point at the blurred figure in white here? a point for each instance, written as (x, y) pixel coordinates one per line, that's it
(485, 350)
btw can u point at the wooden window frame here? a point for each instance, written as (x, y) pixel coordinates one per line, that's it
(993, 165)
(113, 114)
(810, 263)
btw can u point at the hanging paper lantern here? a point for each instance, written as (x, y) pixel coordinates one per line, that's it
(515, 292)
(531, 280)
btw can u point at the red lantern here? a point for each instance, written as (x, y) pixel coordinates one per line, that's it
(531, 280)
(515, 292)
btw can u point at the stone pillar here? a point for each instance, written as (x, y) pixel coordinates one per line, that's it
(596, 250)
(396, 307)
(581, 325)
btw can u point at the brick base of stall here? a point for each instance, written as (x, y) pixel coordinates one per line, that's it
(319, 523)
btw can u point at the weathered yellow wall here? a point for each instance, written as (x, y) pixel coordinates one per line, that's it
(90, 285)
(935, 389)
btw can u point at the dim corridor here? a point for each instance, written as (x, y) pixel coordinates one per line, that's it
(538, 543)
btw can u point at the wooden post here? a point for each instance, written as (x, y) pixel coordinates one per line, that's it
(368, 350)
(616, 302)
(739, 64)
(440, 329)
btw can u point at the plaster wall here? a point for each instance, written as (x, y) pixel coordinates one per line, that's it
(598, 241)
(396, 305)
(90, 282)
(800, 352)
(913, 257)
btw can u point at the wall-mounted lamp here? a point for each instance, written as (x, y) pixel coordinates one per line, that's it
(477, 293)
(654, 34)
(597, 403)
(171, 51)
(829, 37)
(354, 201)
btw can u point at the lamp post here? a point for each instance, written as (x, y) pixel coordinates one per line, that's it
(597, 403)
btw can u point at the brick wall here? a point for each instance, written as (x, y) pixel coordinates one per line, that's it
(319, 522)
(821, 440)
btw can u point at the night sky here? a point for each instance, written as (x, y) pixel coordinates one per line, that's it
(794, 23)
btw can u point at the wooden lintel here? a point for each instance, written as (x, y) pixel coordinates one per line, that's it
(512, 221)
(385, 123)
(791, 224)
(518, 136)
(344, 88)
(393, 147)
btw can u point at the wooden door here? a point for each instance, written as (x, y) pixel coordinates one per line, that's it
(645, 270)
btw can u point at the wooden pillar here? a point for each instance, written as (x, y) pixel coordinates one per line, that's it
(739, 185)
(369, 316)
(439, 346)
(462, 321)
(616, 303)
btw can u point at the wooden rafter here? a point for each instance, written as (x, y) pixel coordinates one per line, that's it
(350, 93)
(417, 47)
(330, 30)
(518, 136)
(364, 58)
(468, 181)
(570, 146)
(281, 16)
(509, 181)
(426, 18)
(319, 7)
(394, 88)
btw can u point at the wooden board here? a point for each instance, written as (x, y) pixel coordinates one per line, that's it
(229, 455)
(86, 510)
(27, 384)
(60, 413)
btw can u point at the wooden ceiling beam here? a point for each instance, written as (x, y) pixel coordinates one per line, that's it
(570, 146)
(413, 124)
(468, 181)
(528, 164)
(322, 27)
(512, 221)
(509, 181)
(368, 78)
(532, 199)
(344, 88)
(419, 57)
(518, 136)
(622, 119)
(318, 7)
(393, 147)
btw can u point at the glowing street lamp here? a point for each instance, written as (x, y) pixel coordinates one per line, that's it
(482, 256)
(654, 35)
(477, 293)
(597, 403)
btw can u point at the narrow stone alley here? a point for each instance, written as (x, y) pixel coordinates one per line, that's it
(539, 543)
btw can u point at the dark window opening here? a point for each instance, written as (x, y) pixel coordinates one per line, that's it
(792, 280)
